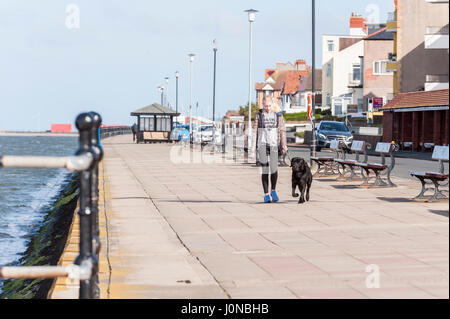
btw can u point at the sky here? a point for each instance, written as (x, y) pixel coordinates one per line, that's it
(60, 58)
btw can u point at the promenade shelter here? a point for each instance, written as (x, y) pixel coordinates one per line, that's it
(154, 123)
(417, 120)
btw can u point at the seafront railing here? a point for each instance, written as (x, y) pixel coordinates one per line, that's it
(114, 130)
(85, 161)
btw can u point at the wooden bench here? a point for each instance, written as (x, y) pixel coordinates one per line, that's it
(346, 167)
(325, 164)
(404, 146)
(440, 153)
(380, 169)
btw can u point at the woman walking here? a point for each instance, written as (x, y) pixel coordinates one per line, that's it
(269, 131)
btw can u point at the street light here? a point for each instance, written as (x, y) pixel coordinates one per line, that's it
(214, 80)
(191, 60)
(161, 90)
(167, 91)
(313, 75)
(214, 91)
(177, 75)
(251, 19)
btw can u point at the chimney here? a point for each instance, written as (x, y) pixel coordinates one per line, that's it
(300, 65)
(357, 25)
(269, 73)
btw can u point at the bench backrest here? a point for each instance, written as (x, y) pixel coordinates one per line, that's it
(440, 153)
(358, 146)
(385, 148)
(335, 144)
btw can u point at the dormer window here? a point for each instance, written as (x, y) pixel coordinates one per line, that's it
(330, 45)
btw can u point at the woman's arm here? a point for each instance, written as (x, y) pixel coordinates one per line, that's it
(282, 133)
(255, 132)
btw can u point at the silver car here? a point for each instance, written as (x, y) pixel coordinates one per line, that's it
(328, 131)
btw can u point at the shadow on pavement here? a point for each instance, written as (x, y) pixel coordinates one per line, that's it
(439, 212)
(130, 198)
(326, 180)
(345, 186)
(195, 201)
(395, 199)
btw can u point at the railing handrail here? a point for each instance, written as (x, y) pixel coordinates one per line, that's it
(73, 272)
(71, 163)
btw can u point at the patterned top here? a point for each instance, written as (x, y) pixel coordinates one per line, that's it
(268, 135)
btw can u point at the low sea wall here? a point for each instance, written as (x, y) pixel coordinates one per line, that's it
(46, 244)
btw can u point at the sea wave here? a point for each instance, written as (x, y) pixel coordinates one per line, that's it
(26, 218)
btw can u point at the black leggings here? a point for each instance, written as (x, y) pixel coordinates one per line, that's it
(273, 181)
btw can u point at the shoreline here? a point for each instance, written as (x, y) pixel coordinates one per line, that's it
(46, 244)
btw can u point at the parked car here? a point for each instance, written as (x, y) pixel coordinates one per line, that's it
(180, 133)
(204, 134)
(328, 131)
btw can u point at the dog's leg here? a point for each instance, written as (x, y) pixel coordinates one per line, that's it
(302, 196)
(307, 190)
(294, 187)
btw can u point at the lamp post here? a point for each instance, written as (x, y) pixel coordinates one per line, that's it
(196, 116)
(167, 91)
(191, 60)
(177, 75)
(214, 80)
(313, 97)
(161, 90)
(251, 19)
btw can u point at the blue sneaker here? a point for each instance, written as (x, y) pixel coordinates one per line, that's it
(274, 196)
(267, 199)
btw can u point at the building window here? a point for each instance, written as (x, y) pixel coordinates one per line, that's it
(338, 109)
(328, 70)
(328, 99)
(379, 68)
(330, 45)
(356, 72)
(360, 105)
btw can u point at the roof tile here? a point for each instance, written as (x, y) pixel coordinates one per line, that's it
(418, 99)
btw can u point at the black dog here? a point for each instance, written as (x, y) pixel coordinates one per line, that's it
(301, 177)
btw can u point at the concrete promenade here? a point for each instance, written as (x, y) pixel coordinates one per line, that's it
(200, 231)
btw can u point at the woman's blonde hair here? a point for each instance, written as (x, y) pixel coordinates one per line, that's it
(275, 106)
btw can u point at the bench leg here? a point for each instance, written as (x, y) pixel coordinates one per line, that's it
(389, 177)
(438, 195)
(335, 168)
(319, 169)
(378, 180)
(324, 169)
(342, 171)
(424, 189)
(366, 179)
(329, 169)
(353, 176)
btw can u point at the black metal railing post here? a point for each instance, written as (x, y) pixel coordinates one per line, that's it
(98, 155)
(86, 259)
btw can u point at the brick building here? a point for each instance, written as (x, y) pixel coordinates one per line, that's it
(420, 58)
(275, 80)
(417, 120)
(378, 81)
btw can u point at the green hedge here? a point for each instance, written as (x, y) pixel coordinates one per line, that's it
(298, 116)
(300, 134)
